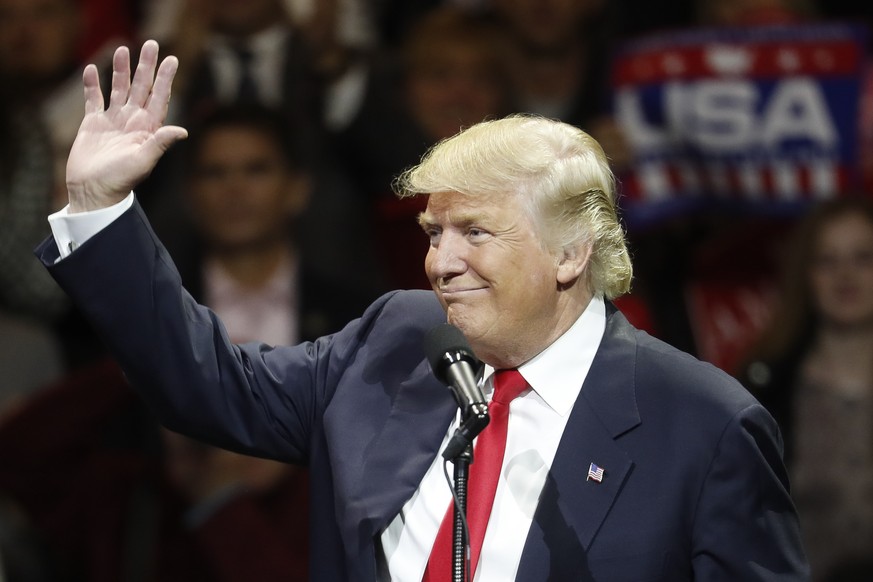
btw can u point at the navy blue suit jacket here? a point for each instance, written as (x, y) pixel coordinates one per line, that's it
(694, 487)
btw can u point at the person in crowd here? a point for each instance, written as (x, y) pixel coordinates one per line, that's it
(41, 47)
(38, 42)
(254, 53)
(703, 288)
(31, 304)
(557, 57)
(247, 189)
(623, 458)
(92, 489)
(813, 368)
(217, 510)
(242, 52)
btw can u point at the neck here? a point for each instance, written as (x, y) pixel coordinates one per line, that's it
(843, 341)
(253, 266)
(517, 351)
(841, 360)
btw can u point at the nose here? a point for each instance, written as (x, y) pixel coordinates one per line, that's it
(446, 258)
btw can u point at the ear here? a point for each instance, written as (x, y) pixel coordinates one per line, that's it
(573, 263)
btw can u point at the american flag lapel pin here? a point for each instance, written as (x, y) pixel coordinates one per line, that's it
(595, 473)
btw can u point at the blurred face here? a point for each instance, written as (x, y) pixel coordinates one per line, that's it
(498, 284)
(456, 87)
(547, 25)
(243, 193)
(38, 38)
(841, 275)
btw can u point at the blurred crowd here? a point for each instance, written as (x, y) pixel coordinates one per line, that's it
(279, 212)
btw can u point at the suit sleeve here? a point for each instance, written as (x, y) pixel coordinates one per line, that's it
(745, 526)
(252, 398)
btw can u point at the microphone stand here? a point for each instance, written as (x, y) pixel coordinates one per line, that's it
(460, 452)
(459, 543)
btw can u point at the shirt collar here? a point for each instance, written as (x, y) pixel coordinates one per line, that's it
(556, 374)
(223, 289)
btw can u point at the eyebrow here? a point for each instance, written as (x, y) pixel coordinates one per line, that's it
(424, 219)
(460, 219)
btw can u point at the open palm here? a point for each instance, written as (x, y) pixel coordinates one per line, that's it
(116, 147)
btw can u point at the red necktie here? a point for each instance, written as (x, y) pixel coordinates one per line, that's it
(482, 483)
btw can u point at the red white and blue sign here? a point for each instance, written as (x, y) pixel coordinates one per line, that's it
(765, 117)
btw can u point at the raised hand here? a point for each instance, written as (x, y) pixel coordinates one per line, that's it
(118, 146)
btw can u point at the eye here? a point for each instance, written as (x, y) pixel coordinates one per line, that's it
(476, 234)
(260, 168)
(211, 173)
(433, 234)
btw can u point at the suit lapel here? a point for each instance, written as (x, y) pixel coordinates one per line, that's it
(571, 507)
(403, 451)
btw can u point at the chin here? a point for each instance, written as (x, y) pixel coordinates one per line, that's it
(459, 322)
(467, 327)
(476, 336)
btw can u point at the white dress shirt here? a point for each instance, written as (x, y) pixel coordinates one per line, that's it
(71, 231)
(536, 424)
(267, 66)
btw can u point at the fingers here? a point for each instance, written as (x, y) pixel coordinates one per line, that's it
(93, 95)
(159, 100)
(144, 76)
(120, 78)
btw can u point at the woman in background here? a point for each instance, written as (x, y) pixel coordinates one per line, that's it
(813, 368)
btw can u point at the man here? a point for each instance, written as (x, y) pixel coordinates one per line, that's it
(254, 52)
(247, 190)
(625, 460)
(39, 49)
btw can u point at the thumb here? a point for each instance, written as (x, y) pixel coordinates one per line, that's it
(164, 137)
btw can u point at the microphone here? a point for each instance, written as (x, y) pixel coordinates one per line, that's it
(454, 364)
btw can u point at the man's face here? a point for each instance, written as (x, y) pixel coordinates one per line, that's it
(547, 25)
(492, 274)
(243, 192)
(456, 87)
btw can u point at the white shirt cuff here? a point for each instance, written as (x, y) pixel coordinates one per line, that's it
(70, 231)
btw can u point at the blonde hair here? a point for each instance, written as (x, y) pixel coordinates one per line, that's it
(560, 171)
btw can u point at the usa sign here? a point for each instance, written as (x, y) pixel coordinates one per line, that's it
(761, 116)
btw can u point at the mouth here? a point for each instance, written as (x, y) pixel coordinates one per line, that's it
(457, 292)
